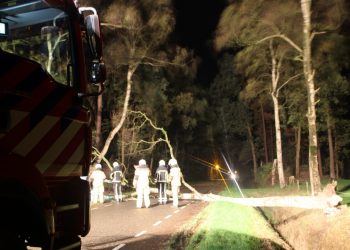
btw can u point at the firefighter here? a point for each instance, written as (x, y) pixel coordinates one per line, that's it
(141, 183)
(116, 177)
(97, 177)
(175, 180)
(161, 179)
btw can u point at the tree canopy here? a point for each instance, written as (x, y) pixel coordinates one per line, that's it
(234, 116)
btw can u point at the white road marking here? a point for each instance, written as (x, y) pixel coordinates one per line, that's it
(183, 207)
(157, 223)
(176, 211)
(118, 247)
(94, 208)
(167, 217)
(141, 233)
(108, 205)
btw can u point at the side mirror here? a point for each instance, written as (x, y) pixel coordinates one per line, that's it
(97, 72)
(94, 35)
(93, 25)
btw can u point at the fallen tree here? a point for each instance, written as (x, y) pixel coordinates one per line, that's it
(327, 200)
(324, 201)
(308, 202)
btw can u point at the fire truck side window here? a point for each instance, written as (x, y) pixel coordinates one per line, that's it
(40, 34)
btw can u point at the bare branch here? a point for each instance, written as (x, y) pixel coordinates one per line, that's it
(115, 26)
(283, 37)
(289, 79)
(162, 130)
(97, 154)
(156, 62)
(144, 142)
(313, 34)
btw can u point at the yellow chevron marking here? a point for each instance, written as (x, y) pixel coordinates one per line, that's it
(79, 152)
(34, 137)
(58, 146)
(76, 157)
(70, 170)
(15, 117)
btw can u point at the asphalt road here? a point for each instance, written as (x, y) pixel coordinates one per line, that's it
(123, 226)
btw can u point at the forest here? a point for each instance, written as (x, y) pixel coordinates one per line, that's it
(278, 100)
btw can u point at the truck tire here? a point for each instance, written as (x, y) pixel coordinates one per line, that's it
(11, 241)
(22, 217)
(71, 242)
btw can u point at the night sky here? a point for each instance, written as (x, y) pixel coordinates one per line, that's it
(196, 21)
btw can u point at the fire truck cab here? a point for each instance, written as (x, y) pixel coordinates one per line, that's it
(50, 60)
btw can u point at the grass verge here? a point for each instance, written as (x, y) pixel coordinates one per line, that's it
(223, 225)
(230, 226)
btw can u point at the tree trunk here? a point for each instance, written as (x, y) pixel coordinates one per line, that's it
(273, 172)
(115, 130)
(98, 120)
(324, 202)
(319, 159)
(278, 144)
(272, 139)
(252, 148)
(264, 133)
(122, 147)
(307, 202)
(274, 94)
(297, 152)
(336, 158)
(331, 150)
(311, 114)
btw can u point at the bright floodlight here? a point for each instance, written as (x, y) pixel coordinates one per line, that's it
(217, 167)
(233, 176)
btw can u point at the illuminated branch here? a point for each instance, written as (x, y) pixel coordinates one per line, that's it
(283, 37)
(162, 130)
(115, 26)
(152, 144)
(156, 62)
(167, 141)
(289, 79)
(51, 48)
(313, 34)
(97, 154)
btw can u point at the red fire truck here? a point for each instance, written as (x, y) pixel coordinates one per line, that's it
(50, 61)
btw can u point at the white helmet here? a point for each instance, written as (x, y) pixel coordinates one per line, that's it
(161, 163)
(142, 162)
(98, 166)
(115, 164)
(172, 162)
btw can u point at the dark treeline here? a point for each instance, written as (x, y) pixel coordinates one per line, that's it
(232, 119)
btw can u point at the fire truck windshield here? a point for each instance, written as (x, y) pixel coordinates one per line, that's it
(39, 33)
